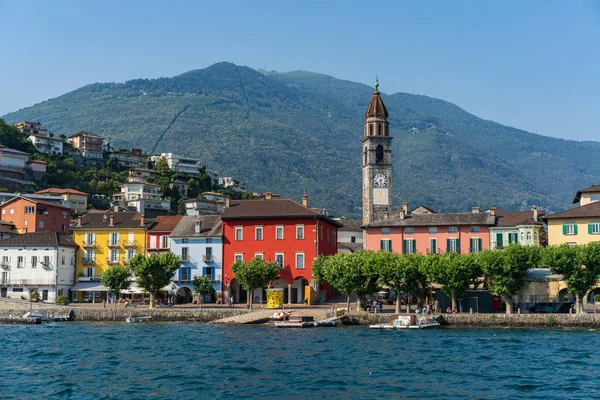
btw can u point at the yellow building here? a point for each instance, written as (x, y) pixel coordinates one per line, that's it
(579, 225)
(104, 239)
(74, 199)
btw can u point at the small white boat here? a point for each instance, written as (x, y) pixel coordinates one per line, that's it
(295, 324)
(408, 322)
(137, 320)
(36, 315)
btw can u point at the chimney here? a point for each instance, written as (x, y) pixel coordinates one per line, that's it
(305, 200)
(142, 220)
(111, 220)
(535, 213)
(475, 210)
(492, 211)
(197, 226)
(79, 221)
(227, 201)
(401, 214)
(405, 207)
(386, 215)
(268, 195)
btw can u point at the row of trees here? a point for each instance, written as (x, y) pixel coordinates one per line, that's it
(503, 272)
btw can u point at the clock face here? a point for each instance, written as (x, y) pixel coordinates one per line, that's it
(380, 181)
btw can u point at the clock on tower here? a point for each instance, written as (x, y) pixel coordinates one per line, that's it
(377, 161)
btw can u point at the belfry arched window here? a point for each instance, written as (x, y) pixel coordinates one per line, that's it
(370, 129)
(379, 130)
(365, 155)
(379, 154)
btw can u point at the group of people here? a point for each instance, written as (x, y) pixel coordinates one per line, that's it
(230, 302)
(373, 305)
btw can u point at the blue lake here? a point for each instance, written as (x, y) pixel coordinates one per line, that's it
(186, 361)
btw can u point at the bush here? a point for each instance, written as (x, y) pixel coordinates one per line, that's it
(62, 300)
(34, 296)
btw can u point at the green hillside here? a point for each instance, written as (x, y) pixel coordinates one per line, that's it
(299, 131)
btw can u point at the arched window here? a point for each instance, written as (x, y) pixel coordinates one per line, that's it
(528, 236)
(370, 129)
(365, 155)
(379, 130)
(379, 154)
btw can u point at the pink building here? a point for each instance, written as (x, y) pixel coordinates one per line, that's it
(425, 232)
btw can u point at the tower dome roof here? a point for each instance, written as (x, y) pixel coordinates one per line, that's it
(376, 107)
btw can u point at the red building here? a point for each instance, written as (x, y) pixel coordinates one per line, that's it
(32, 215)
(281, 231)
(157, 236)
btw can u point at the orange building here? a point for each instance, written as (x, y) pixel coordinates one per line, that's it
(32, 215)
(88, 144)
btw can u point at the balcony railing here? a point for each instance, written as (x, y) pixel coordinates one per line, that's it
(5, 265)
(89, 278)
(88, 261)
(451, 250)
(189, 260)
(25, 282)
(207, 258)
(89, 244)
(111, 261)
(113, 243)
(130, 243)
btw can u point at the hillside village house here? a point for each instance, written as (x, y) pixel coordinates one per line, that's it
(41, 261)
(201, 206)
(157, 235)
(579, 225)
(232, 184)
(186, 165)
(198, 241)
(47, 144)
(516, 227)
(142, 175)
(430, 233)
(133, 158)
(281, 231)
(88, 144)
(74, 199)
(33, 215)
(145, 198)
(31, 128)
(104, 239)
(16, 164)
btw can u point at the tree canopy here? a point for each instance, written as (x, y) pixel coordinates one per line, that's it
(154, 272)
(255, 274)
(116, 279)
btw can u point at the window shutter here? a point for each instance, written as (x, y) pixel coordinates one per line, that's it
(575, 229)
(404, 247)
(480, 243)
(458, 246)
(590, 231)
(414, 246)
(390, 245)
(447, 245)
(564, 229)
(499, 240)
(471, 245)
(179, 274)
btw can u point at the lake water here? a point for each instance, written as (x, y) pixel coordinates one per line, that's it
(189, 361)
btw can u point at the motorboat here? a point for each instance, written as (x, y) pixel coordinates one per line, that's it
(137, 320)
(70, 316)
(37, 315)
(296, 322)
(408, 322)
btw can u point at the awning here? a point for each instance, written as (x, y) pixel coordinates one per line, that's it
(89, 287)
(133, 289)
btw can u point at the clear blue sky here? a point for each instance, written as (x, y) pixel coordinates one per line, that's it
(534, 65)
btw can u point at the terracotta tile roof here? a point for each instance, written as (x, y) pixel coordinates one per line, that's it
(7, 227)
(84, 133)
(515, 218)
(121, 220)
(589, 210)
(210, 226)
(36, 201)
(438, 219)
(270, 209)
(421, 209)
(591, 189)
(376, 107)
(39, 239)
(61, 191)
(165, 223)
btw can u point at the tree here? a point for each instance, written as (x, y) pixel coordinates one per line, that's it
(579, 265)
(394, 270)
(116, 279)
(202, 287)
(507, 269)
(255, 274)
(154, 272)
(162, 167)
(453, 272)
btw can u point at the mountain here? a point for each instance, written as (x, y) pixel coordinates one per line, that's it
(297, 131)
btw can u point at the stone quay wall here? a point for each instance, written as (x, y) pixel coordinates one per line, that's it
(589, 321)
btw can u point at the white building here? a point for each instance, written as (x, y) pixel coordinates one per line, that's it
(142, 196)
(350, 236)
(182, 164)
(204, 207)
(516, 227)
(198, 242)
(47, 144)
(232, 184)
(37, 261)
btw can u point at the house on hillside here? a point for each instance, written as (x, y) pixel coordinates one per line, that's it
(47, 144)
(31, 128)
(177, 163)
(133, 158)
(74, 199)
(88, 144)
(34, 215)
(145, 198)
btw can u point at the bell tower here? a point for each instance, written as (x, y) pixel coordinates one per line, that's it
(376, 161)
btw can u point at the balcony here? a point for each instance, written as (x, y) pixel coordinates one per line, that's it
(113, 243)
(88, 261)
(130, 243)
(5, 265)
(188, 260)
(47, 265)
(89, 278)
(27, 282)
(451, 250)
(111, 261)
(207, 258)
(90, 244)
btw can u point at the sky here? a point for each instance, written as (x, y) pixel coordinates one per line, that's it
(534, 65)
